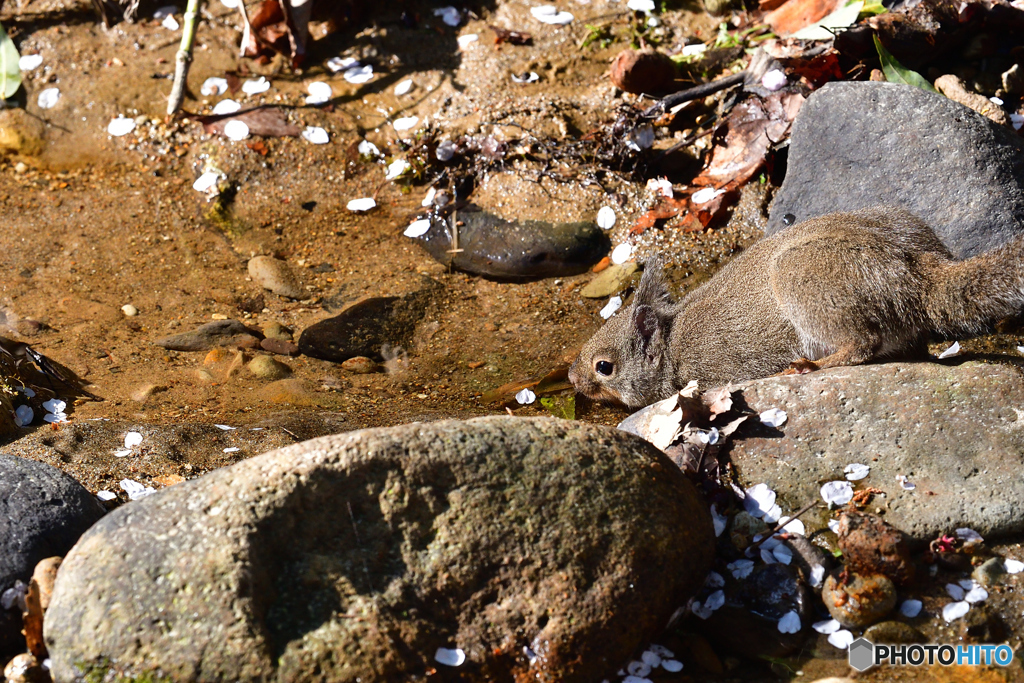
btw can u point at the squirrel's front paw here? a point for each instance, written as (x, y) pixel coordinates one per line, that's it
(801, 367)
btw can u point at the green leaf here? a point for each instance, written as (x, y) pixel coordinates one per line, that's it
(872, 8)
(897, 73)
(10, 73)
(560, 406)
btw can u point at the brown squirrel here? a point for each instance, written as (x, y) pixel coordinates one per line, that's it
(841, 289)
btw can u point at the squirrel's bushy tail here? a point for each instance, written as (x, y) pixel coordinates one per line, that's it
(970, 296)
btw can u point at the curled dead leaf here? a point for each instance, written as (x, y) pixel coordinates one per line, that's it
(719, 400)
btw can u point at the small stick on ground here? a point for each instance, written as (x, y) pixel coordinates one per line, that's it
(771, 532)
(183, 58)
(760, 64)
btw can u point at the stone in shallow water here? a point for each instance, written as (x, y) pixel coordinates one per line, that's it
(364, 327)
(872, 546)
(359, 555)
(894, 632)
(210, 336)
(515, 249)
(748, 624)
(860, 144)
(860, 601)
(275, 275)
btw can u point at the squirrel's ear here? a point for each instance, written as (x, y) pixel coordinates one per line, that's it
(652, 290)
(646, 323)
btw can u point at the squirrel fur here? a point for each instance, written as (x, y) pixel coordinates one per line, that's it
(841, 289)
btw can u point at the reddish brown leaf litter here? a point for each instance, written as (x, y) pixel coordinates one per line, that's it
(502, 35)
(262, 121)
(794, 15)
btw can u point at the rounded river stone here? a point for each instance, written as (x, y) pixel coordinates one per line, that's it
(492, 246)
(544, 549)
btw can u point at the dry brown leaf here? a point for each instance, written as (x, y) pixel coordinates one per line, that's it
(719, 400)
(665, 208)
(40, 588)
(797, 14)
(553, 382)
(746, 135)
(663, 429)
(262, 121)
(728, 429)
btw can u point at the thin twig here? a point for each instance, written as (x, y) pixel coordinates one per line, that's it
(696, 92)
(353, 518)
(184, 58)
(771, 532)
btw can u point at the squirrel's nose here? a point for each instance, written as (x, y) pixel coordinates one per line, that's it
(574, 375)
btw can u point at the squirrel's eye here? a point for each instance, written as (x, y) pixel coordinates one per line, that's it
(604, 367)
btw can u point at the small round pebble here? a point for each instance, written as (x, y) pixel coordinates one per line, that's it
(861, 601)
(275, 275)
(911, 608)
(454, 657)
(360, 365)
(266, 367)
(990, 572)
(129, 310)
(276, 330)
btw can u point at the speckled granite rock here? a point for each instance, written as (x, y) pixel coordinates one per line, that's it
(957, 433)
(544, 549)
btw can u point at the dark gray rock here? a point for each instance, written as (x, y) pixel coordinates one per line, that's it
(364, 327)
(954, 431)
(813, 562)
(44, 513)
(512, 250)
(356, 556)
(12, 641)
(212, 335)
(860, 144)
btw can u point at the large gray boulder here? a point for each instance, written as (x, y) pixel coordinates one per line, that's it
(544, 549)
(860, 144)
(43, 512)
(955, 432)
